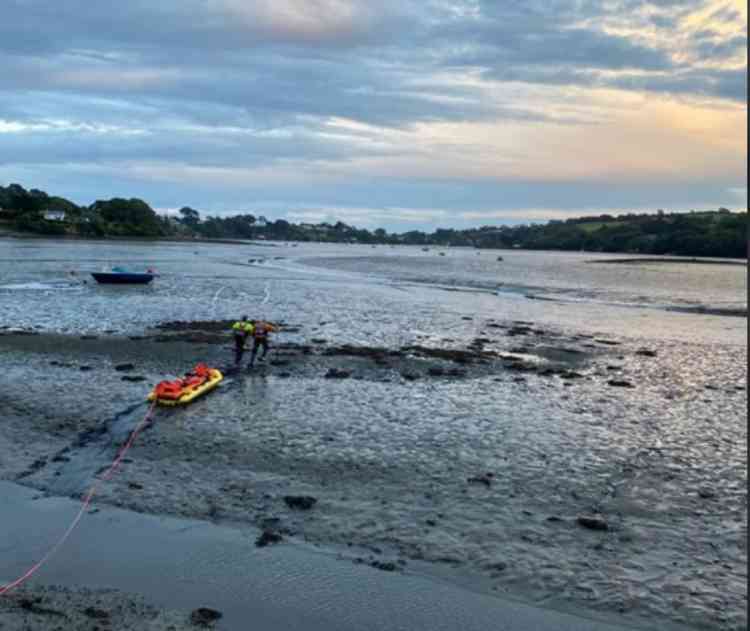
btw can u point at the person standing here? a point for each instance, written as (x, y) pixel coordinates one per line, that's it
(241, 329)
(260, 339)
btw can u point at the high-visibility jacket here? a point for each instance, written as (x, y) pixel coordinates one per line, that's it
(243, 328)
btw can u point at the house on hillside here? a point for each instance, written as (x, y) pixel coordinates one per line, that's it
(54, 215)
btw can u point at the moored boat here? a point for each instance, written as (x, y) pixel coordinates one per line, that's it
(119, 276)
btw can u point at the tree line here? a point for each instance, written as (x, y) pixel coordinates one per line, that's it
(717, 233)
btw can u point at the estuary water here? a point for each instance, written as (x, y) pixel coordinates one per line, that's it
(382, 293)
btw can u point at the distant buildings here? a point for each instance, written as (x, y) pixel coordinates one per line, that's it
(54, 215)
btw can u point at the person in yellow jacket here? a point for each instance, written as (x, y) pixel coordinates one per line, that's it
(260, 338)
(241, 330)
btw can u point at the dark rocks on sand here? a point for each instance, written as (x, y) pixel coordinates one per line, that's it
(133, 378)
(300, 502)
(88, 337)
(98, 614)
(608, 342)
(435, 371)
(268, 537)
(645, 352)
(124, 367)
(706, 493)
(337, 373)
(203, 616)
(409, 376)
(386, 566)
(592, 522)
(85, 368)
(484, 478)
(620, 383)
(135, 485)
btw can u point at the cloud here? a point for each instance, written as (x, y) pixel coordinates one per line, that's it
(351, 104)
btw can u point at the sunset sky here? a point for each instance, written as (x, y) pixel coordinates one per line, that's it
(400, 114)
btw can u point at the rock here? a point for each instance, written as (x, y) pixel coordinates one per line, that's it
(85, 368)
(570, 374)
(279, 362)
(284, 375)
(98, 614)
(88, 337)
(456, 372)
(268, 537)
(592, 522)
(300, 502)
(499, 258)
(435, 371)
(706, 493)
(409, 376)
(484, 478)
(386, 566)
(554, 518)
(466, 318)
(204, 617)
(318, 340)
(497, 566)
(337, 373)
(124, 367)
(133, 378)
(620, 383)
(135, 485)
(645, 352)
(608, 342)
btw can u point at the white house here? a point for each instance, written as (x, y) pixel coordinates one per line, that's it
(54, 215)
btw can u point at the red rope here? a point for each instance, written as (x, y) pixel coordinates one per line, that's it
(86, 501)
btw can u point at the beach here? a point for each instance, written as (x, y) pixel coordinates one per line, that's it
(573, 440)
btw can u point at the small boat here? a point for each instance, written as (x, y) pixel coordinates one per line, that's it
(197, 382)
(119, 276)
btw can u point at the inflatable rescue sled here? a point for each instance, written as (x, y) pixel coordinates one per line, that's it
(182, 391)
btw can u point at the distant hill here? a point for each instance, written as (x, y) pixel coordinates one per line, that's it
(718, 233)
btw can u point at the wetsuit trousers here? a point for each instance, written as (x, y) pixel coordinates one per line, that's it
(239, 348)
(258, 342)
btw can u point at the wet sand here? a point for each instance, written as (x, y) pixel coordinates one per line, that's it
(185, 565)
(493, 506)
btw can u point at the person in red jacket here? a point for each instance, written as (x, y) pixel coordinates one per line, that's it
(260, 334)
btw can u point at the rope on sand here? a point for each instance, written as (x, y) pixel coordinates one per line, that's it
(4, 589)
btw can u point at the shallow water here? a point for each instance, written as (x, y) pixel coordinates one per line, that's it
(384, 295)
(664, 461)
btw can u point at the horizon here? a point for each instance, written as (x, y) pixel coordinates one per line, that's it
(406, 116)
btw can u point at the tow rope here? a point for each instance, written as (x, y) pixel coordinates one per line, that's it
(86, 501)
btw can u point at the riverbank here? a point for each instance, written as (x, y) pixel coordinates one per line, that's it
(668, 259)
(564, 506)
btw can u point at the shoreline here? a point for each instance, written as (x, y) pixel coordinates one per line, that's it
(280, 242)
(667, 259)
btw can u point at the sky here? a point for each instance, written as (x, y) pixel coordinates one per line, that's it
(398, 114)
